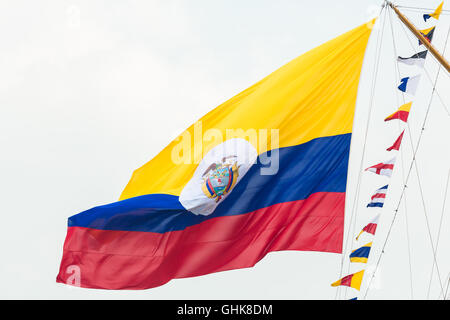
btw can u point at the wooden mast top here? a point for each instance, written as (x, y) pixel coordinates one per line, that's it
(422, 39)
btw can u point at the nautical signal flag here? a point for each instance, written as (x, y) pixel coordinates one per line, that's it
(409, 84)
(436, 14)
(215, 202)
(383, 168)
(401, 114)
(371, 227)
(361, 255)
(417, 59)
(377, 199)
(353, 281)
(397, 143)
(428, 34)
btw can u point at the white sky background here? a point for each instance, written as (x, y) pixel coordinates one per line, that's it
(91, 90)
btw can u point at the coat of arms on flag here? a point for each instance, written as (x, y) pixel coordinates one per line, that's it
(219, 179)
(216, 175)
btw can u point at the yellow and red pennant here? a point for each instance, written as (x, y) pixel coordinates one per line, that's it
(353, 280)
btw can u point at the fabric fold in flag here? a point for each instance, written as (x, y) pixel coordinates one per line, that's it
(401, 114)
(417, 59)
(377, 199)
(383, 168)
(397, 143)
(353, 281)
(361, 255)
(409, 84)
(265, 171)
(428, 34)
(370, 228)
(436, 14)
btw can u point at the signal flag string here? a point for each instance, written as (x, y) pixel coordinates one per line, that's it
(402, 156)
(444, 105)
(399, 203)
(372, 96)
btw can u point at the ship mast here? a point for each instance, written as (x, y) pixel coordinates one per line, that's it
(439, 57)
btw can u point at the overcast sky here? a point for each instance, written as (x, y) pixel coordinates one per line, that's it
(91, 90)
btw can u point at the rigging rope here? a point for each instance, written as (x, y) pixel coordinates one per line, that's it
(439, 235)
(397, 74)
(358, 185)
(446, 290)
(446, 109)
(416, 9)
(417, 171)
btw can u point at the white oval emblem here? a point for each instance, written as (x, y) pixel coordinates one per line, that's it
(216, 175)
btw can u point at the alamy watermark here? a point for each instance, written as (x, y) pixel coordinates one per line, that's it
(74, 278)
(192, 148)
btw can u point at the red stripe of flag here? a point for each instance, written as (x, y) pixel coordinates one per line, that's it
(312, 224)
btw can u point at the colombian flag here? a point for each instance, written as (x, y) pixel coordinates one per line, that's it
(265, 171)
